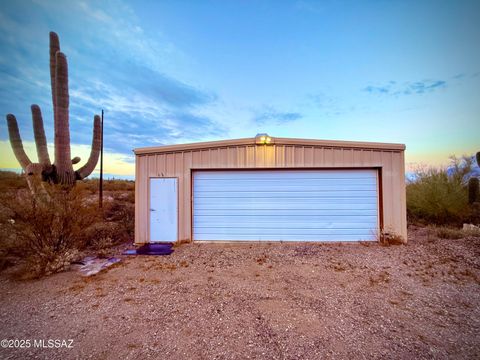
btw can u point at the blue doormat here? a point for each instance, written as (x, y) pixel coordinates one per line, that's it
(151, 249)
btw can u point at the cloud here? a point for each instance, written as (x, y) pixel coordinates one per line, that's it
(377, 89)
(407, 88)
(272, 116)
(124, 71)
(135, 117)
(459, 76)
(421, 87)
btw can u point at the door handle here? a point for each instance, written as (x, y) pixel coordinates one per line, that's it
(152, 210)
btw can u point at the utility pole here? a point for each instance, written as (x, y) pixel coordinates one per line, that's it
(100, 193)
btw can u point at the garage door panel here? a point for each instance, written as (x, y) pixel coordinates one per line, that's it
(219, 178)
(287, 225)
(282, 231)
(286, 212)
(306, 185)
(282, 237)
(286, 174)
(203, 220)
(293, 184)
(323, 205)
(315, 197)
(269, 205)
(299, 191)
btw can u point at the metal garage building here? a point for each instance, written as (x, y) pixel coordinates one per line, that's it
(269, 189)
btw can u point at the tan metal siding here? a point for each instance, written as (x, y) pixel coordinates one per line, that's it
(179, 164)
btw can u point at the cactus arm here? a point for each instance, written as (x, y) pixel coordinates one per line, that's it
(39, 133)
(54, 47)
(76, 160)
(16, 141)
(87, 169)
(63, 160)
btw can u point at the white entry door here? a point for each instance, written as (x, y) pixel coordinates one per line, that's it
(163, 210)
(289, 205)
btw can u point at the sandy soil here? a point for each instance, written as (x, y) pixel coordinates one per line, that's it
(263, 301)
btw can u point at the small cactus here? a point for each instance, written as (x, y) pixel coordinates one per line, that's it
(473, 190)
(473, 185)
(61, 171)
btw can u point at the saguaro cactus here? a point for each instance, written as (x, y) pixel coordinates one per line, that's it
(61, 171)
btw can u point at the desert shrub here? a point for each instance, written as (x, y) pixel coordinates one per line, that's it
(46, 232)
(122, 211)
(105, 234)
(439, 196)
(45, 236)
(101, 237)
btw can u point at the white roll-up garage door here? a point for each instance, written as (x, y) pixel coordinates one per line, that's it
(285, 205)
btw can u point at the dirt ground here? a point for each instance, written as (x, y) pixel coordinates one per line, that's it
(262, 301)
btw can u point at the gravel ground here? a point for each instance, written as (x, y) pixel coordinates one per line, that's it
(262, 301)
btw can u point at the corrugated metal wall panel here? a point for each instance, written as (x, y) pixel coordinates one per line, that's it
(387, 174)
(179, 164)
(250, 156)
(328, 158)
(231, 157)
(289, 156)
(309, 157)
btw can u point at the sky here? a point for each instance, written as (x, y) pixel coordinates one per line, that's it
(168, 72)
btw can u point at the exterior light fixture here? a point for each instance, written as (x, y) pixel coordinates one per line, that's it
(263, 139)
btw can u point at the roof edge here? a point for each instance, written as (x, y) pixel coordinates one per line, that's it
(277, 141)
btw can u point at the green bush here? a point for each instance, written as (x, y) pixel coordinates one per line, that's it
(436, 197)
